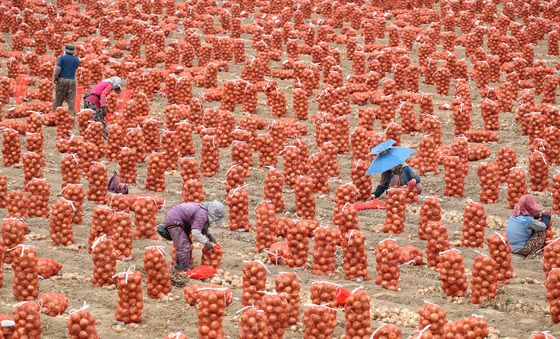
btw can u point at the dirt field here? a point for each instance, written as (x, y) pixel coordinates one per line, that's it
(519, 309)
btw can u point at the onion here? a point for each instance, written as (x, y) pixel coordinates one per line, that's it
(430, 210)
(238, 204)
(473, 325)
(500, 250)
(101, 223)
(253, 323)
(39, 191)
(53, 304)
(61, 231)
(273, 185)
(517, 186)
(305, 201)
(145, 211)
(288, 283)
(16, 204)
(122, 235)
(97, 183)
(81, 323)
(11, 150)
(297, 238)
(319, 321)
(488, 175)
(324, 250)
(276, 309)
(451, 270)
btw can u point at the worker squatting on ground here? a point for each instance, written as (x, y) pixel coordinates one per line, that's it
(390, 162)
(96, 99)
(191, 221)
(526, 228)
(64, 78)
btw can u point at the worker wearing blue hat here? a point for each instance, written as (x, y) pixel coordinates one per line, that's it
(390, 162)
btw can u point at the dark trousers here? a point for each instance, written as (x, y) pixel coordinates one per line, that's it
(183, 247)
(65, 90)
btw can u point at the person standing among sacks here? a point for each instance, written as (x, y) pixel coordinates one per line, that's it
(64, 79)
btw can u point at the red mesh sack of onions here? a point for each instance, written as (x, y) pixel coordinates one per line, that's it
(273, 185)
(238, 204)
(145, 212)
(484, 280)
(13, 234)
(76, 194)
(551, 255)
(104, 261)
(16, 204)
(387, 331)
(32, 167)
(506, 159)
(475, 325)
(276, 309)
(212, 257)
(355, 256)
(3, 190)
(433, 315)
(101, 223)
(456, 169)
(517, 185)
(324, 249)
(97, 183)
(254, 281)
(387, 255)
(155, 178)
(474, 222)
(555, 189)
(319, 321)
(395, 208)
(500, 250)
(47, 267)
(39, 191)
(25, 284)
(298, 244)
(438, 241)
(430, 210)
(488, 175)
(53, 304)
(191, 294)
(211, 306)
(305, 200)
(538, 172)
(130, 302)
(324, 293)
(122, 236)
(553, 294)
(158, 280)
(357, 314)
(27, 320)
(451, 270)
(266, 226)
(253, 324)
(81, 324)
(288, 283)
(70, 169)
(11, 149)
(411, 255)
(61, 230)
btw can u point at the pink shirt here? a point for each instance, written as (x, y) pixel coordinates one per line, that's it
(99, 94)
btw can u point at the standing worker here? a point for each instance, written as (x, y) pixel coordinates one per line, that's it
(191, 219)
(64, 79)
(96, 100)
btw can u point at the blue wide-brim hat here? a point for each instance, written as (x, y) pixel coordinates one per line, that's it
(389, 158)
(385, 145)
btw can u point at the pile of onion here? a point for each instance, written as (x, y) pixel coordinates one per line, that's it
(387, 258)
(130, 300)
(158, 281)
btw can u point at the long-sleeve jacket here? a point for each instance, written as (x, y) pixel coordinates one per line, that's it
(520, 228)
(193, 217)
(98, 95)
(406, 174)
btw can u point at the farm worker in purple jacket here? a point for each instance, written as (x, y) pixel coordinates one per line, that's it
(96, 99)
(191, 219)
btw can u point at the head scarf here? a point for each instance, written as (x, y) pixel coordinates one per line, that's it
(216, 212)
(527, 205)
(116, 82)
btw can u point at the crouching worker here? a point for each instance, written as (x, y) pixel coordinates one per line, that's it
(526, 228)
(187, 222)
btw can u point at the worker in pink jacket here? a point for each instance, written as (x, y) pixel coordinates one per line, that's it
(96, 99)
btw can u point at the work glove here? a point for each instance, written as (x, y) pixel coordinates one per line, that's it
(210, 237)
(412, 183)
(209, 245)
